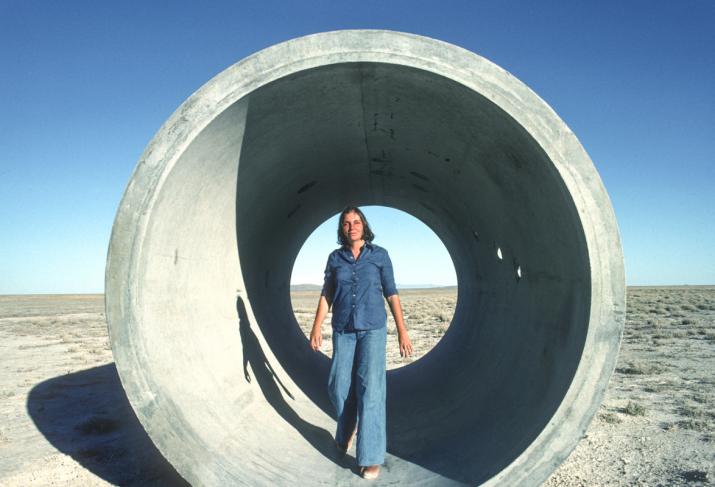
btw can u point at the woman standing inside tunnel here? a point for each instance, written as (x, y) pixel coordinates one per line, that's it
(357, 277)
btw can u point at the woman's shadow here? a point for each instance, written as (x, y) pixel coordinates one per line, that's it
(273, 390)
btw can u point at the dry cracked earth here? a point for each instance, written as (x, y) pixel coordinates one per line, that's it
(67, 422)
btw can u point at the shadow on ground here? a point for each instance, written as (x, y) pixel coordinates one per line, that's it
(274, 390)
(87, 415)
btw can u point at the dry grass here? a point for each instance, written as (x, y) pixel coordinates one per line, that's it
(656, 424)
(610, 418)
(634, 409)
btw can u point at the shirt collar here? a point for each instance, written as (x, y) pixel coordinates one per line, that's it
(367, 245)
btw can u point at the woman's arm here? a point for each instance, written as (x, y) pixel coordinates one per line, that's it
(324, 303)
(316, 334)
(402, 336)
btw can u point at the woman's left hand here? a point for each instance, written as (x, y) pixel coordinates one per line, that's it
(405, 344)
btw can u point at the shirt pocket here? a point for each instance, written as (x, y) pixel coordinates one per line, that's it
(373, 271)
(343, 274)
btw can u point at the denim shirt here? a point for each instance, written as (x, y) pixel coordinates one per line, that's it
(355, 288)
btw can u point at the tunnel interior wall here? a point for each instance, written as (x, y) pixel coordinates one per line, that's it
(378, 134)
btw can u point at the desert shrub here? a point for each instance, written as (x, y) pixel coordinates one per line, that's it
(694, 476)
(694, 425)
(634, 409)
(634, 368)
(699, 398)
(442, 317)
(690, 411)
(610, 418)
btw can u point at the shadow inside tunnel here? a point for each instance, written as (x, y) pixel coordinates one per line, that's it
(87, 416)
(273, 390)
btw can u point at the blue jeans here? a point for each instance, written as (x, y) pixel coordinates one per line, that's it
(357, 390)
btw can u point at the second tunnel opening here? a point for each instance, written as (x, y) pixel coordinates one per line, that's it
(424, 274)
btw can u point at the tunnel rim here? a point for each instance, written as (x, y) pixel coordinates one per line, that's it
(541, 122)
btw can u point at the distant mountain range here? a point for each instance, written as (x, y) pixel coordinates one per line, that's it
(305, 287)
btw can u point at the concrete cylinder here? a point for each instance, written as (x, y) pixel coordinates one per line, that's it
(197, 283)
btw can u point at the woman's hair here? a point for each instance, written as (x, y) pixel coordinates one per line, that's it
(367, 234)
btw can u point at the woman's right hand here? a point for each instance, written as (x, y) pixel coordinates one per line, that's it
(316, 338)
(316, 334)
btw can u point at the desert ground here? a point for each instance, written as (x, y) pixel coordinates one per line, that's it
(67, 421)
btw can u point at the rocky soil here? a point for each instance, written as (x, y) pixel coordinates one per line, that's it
(66, 420)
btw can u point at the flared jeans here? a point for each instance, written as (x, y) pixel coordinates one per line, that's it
(357, 390)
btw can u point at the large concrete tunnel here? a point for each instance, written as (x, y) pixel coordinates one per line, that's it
(198, 272)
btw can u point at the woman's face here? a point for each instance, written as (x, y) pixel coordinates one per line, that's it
(352, 227)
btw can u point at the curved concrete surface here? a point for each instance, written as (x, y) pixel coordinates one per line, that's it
(198, 272)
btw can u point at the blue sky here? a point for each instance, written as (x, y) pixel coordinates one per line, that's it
(85, 85)
(437, 270)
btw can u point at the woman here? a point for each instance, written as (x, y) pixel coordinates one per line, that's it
(357, 276)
